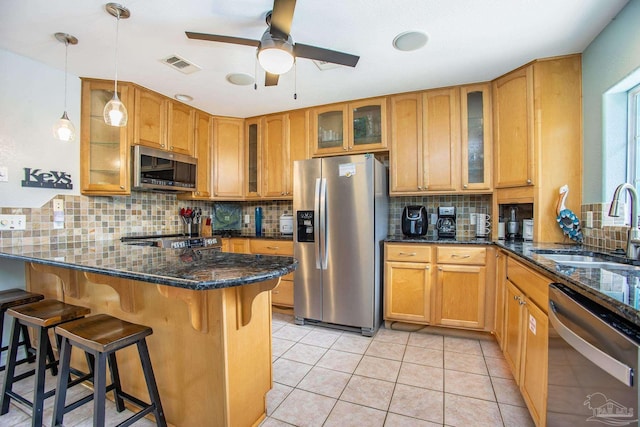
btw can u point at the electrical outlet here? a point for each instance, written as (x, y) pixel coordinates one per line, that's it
(13, 222)
(247, 219)
(589, 219)
(58, 205)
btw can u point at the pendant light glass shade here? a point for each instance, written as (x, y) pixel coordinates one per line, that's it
(115, 113)
(64, 130)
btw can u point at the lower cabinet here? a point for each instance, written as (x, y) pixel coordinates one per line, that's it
(461, 287)
(525, 341)
(440, 285)
(407, 283)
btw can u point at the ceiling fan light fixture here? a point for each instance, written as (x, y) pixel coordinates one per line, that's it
(275, 54)
(410, 40)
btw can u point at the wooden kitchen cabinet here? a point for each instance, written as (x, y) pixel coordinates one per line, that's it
(537, 123)
(356, 127)
(281, 295)
(460, 287)
(501, 283)
(407, 283)
(105, 151)
(476, 137)
(275, 157)
(526, 335)
(440, 141)
(228, 159)
(203, 152)
(239, 245)
(253, 161)
(162, 123)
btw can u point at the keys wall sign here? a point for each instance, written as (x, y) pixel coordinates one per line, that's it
(47, 179)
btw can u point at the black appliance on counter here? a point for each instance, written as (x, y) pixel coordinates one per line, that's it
(446, 225)
(414, 221)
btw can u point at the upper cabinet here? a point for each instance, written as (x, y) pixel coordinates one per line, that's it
(476, 147)
(104, 150)
(163, 123)
(203, 151)
(275, 157)
(538, 138)
(228, 158)
(355, 127)
(440, 141)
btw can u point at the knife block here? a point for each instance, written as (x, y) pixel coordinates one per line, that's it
(205, 230)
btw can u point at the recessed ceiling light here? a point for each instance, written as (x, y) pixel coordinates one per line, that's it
(410, 40)
(182, 97)
(240, 79)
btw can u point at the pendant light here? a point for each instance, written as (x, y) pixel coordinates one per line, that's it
(115, 113)
(64, 129)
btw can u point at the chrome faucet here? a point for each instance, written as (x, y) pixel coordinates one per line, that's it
(633, 237)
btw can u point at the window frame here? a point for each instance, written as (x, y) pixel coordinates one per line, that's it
(633, 137)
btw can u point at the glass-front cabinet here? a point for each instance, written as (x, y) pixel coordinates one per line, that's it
(104, 149)
(476, 137)
(350, 128)
(252, 162)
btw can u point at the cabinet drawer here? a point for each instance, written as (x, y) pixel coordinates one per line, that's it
(462, 255)
(283, 293)
(408, 253)
(532, 284)
(271, 247)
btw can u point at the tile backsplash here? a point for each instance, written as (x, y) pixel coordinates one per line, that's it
(107, 218)
(606, 233)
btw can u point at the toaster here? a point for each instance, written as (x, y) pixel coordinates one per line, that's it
(414, 221)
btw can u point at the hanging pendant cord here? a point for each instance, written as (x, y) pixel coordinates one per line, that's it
(295, 80)
(66, 52)
(116, 61)
(255, 74)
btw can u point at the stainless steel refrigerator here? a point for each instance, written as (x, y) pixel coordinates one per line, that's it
(340, 209)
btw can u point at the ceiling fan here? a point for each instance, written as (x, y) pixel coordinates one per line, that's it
(276, 49)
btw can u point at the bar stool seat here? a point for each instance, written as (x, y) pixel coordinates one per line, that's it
(102, 336)
(11, 298)
(41, 316)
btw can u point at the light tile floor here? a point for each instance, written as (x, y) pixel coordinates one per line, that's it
(328, 377)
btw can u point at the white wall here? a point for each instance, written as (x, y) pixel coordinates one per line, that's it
(31, 101)
(612, 56)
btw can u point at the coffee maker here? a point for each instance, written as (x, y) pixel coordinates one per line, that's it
(446, 225)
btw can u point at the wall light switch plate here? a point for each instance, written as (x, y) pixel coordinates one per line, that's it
(247, 219)
(589, 219)
(13, 222)
(58, 205)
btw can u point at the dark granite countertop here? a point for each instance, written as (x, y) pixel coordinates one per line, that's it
(617, 290)
(191, 269)
(276, 236)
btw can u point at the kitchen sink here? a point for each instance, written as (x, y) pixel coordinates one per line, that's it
(588, 260)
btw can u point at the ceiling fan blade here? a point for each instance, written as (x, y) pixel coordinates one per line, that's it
(326, 55)
(271, 79)
(282, 15)
(222, 39)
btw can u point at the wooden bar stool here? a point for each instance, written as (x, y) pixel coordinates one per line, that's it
(11, 298)
(101, 336)
(41, 316)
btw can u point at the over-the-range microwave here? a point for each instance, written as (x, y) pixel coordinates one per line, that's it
(159, 170)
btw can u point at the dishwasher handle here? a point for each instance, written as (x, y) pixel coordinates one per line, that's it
(610, 365)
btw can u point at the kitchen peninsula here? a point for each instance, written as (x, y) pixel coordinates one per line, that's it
(210, 313)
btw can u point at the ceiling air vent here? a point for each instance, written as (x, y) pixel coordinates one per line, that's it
(178, 63)
(324, 65)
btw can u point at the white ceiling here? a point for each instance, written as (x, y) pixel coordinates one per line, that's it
(469, 41)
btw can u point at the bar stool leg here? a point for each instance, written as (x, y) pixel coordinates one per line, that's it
(150, 379)
(115, 378)
(27, 344)
(99, 386)
(63, 381)
(11, 367)
(41, 368)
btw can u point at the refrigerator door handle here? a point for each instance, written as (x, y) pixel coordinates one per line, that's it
(316, 223)
(323, 223)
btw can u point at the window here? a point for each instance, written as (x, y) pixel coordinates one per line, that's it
(633, 143)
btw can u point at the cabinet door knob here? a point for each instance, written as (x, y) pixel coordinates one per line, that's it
(465, 186)
(439, 268)
(528, 181)
(419, 188)
(345, 148)
(427, 267)
(515, 297)
(122, 187)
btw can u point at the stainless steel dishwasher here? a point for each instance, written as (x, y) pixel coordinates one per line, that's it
(593, 363)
